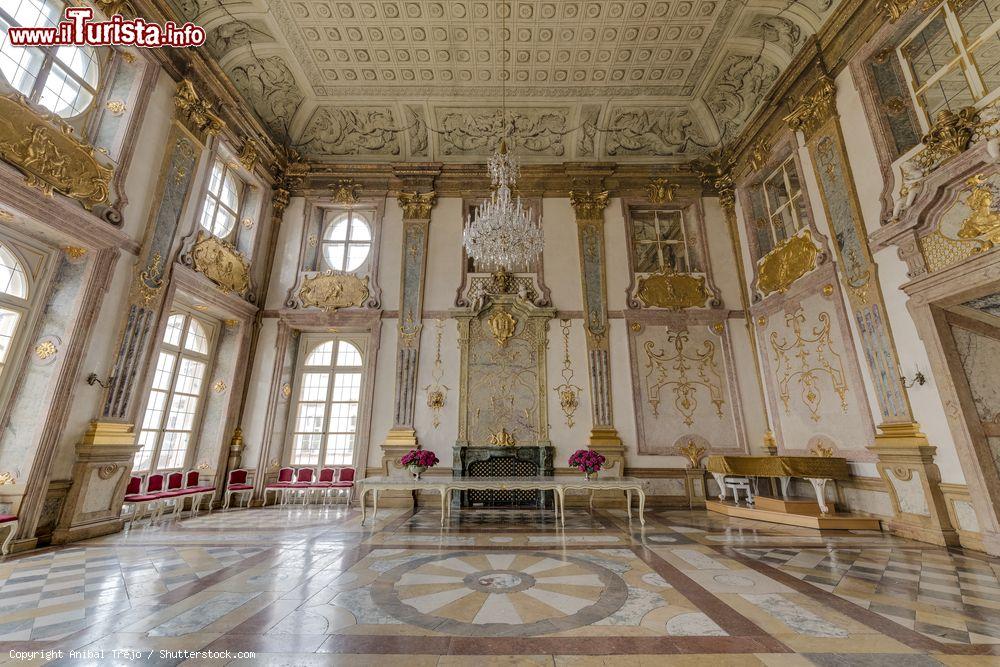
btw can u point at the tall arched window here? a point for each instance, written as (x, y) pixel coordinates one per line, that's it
(13, 301)
(175, 397)
(222, 201)
(326, 417)
(63, 79)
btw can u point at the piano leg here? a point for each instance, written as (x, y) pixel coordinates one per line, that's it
(720, 479)
(819, 486)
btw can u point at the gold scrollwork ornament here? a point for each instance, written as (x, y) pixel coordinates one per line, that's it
(222, 263)
(568, 392)
(502, 439)
(983, 223)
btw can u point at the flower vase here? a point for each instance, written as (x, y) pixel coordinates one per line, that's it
(417, 471)
(589, 475)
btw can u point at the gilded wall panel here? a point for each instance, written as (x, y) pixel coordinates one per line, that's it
(815, 391)
(685, 388)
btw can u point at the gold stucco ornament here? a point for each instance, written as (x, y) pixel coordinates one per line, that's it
(333, 291)
(693, 452)
(502, 439)
(502, 325)
(51, 158)
(790, 260)
(983, 222)
(222, 263)
(672, 290)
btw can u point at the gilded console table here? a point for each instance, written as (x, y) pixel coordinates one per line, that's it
(559, 484)
(817, 470)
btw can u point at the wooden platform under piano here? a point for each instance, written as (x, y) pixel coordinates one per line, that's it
(802, 512)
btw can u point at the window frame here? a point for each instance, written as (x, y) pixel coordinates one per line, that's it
(211, 199)
(685, 242)
(333, 217)
(180, 352)
(48, 59)
(965, 59)
(793, 199)
(308, 344)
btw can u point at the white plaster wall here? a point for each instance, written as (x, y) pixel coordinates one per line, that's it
(616, 258)
(261, 373)
(390, 262)
(444, 250)
(286, 254)
(385, 389)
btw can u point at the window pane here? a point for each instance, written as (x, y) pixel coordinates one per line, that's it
(321, 355)
(215, 182)
(189, 376)
(172, 334)
(347, 354)
(357, 253)
(777, 194)
(164, 371)
(673, 256)
(8, 325)
(930, 51)
(949, 92)
(63, 94)
(310, 418)
(12, 278)
(153, 419)
(339, 449)
(305, 449)
(346, 387)
(977, 17)
(343, 417)
(197, 339)
(181, 415)
(314, 386)
(360, 229)
(146, 442)
(230, 196)
(333, 253)
(337, 230)
(80, 61)
(173, 450)
(987, 57)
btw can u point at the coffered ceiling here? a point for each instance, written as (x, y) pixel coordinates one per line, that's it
(396, 80)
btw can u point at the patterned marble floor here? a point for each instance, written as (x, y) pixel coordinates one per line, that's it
(310, 585)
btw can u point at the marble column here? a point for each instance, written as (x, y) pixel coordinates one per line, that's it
(906, 459)
(402, 437)
(588, 207)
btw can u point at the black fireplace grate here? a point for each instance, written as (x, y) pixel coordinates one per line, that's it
(503, 466)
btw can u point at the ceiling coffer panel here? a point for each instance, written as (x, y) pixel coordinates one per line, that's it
(418, 79)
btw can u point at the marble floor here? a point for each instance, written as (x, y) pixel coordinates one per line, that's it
(310, 585)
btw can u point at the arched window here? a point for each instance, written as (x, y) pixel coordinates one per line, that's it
(63, 79)
(347, 241)
(326, 416)
(222, 202)
(168, 425)
(13, 301)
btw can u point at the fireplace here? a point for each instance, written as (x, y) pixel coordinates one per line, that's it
(503, 462)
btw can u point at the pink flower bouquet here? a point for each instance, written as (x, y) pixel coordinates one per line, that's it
(587, 461)
(419, 460)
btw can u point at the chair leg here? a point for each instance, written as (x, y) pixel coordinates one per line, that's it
(11, 531)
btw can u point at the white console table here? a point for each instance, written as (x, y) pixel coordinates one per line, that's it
(558, 484)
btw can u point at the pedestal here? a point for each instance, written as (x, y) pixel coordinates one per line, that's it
(696, 489)
(397, 444)
(100, 475)
(605, 441)
(906, 464)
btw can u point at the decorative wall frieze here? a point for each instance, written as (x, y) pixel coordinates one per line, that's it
(894, 9)
(49, 155)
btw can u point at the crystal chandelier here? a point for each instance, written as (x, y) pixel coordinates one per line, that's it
(503, 235)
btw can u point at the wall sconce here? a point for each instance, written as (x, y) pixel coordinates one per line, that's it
(918, 379)
(93, 379)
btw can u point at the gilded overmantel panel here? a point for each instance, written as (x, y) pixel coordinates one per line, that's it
(503, 390)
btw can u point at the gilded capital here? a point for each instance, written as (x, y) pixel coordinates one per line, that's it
(288, 175)
(589, 205)
(195, 110)
(716, 172)
(248, 155)
(417, 205)
(814, 108)
(345, 192)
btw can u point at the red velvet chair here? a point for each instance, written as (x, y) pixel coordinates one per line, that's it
(9, 521)
(284, 483)
(303, 485)
(174, 492)
(199, 491)
(345, 482)
(155, 484)
(237, 484)
(139, 499)
(324, 485)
